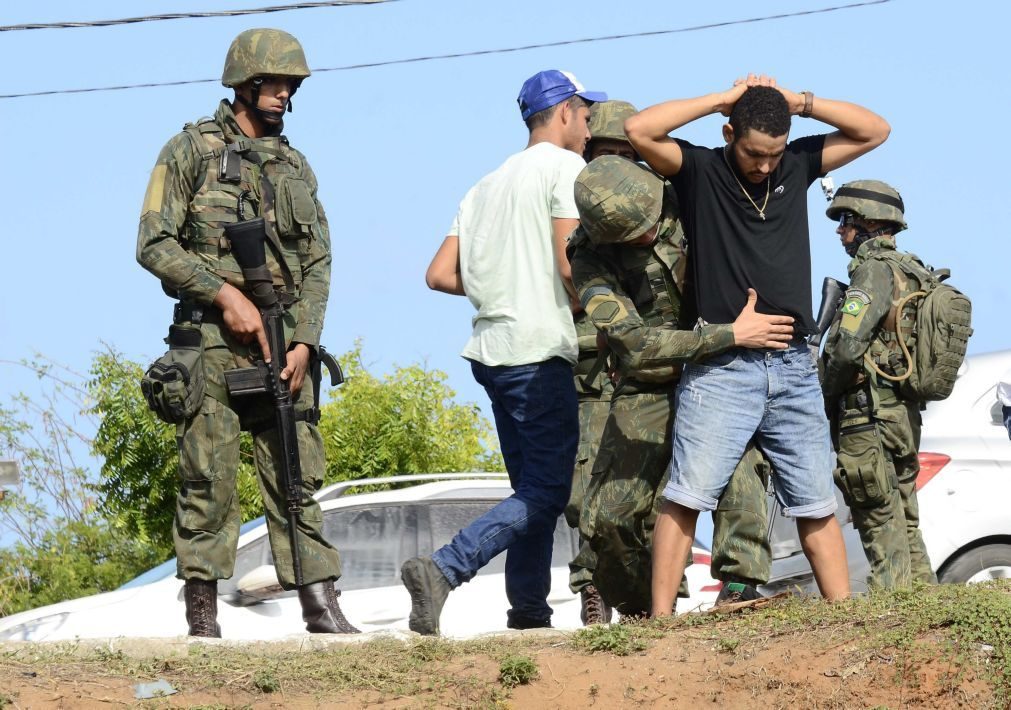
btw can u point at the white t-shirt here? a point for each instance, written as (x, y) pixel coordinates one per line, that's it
(507, 259)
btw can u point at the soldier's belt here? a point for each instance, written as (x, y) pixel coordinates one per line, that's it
(195, 313)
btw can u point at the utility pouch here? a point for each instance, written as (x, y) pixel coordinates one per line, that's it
(174, 385)
(294, 208)
(862, 474)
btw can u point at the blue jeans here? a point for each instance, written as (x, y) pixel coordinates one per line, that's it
(536, 415)
(771, 395)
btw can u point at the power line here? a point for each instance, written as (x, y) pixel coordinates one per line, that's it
(186, 15)
(478, 53)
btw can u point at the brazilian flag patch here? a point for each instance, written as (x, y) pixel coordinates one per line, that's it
(856, 300)
(853, 306)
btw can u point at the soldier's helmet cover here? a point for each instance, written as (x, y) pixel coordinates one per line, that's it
(618, 200)
(869, 199)
(263, 52)
(607, 119)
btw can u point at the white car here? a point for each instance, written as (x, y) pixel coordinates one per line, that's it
(963, 487)
(375, 533)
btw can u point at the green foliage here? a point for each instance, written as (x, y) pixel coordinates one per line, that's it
(75, 559)
(517, 670)
(404, 422)
(617, 639)
(265, 680)
(138, 482)
(76, 532)
(139, 473)
(62, 546)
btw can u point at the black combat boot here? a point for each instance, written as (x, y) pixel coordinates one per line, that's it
(201, 598)
(321, 611)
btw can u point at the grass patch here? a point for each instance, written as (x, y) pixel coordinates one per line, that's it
(517, 670)
(968, 628)
(266, 681)
(616, 639)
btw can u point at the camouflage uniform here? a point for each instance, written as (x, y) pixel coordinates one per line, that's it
(594, 389)
(877, 432)
(593, 385)
(632, 294)
(181, 240)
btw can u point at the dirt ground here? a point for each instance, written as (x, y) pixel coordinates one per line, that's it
(685, 668)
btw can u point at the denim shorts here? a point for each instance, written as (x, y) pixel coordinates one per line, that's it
(772, 396)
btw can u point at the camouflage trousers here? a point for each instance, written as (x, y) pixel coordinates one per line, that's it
(877, 469)
(206, 527)
(623, 499)
(593, 412)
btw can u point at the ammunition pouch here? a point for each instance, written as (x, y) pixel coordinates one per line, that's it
(863, 472)
(174, 385)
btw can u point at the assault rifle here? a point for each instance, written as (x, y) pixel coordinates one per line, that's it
(248, 240)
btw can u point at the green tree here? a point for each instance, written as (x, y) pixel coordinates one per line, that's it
(76, 530)
(61, 546)
(405, 422)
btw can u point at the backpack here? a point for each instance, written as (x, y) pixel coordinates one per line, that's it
(932, 326)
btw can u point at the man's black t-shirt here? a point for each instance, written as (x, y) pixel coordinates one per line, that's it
(731, 248)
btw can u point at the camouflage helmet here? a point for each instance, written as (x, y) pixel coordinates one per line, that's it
(607, 119)
(869, 199)
(263, 52)
(618, 200)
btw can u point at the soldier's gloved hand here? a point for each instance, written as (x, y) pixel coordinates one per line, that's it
(1007, 419)
(242, 318)
(297, 365)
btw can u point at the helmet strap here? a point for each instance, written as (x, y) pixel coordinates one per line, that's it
(861, 237)
(268, 118)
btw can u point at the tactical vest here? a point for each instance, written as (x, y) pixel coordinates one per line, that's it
(272, 176)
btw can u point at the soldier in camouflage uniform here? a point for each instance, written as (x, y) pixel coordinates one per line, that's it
(877, 431)
(593, 384)
(193, 193)
(628, 267)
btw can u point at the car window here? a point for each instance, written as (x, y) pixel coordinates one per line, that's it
(446, 518)
(373, 542)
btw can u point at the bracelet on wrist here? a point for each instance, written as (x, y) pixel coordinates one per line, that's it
(808, 104)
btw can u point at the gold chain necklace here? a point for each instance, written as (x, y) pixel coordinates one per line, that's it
(768, 185)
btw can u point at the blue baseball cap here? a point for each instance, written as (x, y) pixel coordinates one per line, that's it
(552, 86)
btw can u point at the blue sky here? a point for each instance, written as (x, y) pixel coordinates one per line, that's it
(395, 148)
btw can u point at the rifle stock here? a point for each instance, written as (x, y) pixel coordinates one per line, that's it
(832, 292)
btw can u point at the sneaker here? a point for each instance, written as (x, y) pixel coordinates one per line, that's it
(594, 610)
(733, 592)
(429, 588)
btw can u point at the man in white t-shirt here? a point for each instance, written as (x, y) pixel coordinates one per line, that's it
(506, 252)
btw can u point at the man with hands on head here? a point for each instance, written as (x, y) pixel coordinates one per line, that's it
(744, 208)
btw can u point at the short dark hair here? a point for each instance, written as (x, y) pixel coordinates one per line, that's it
(763, 109)
(541, 118)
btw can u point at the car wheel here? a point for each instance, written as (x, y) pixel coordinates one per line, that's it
(979, 564)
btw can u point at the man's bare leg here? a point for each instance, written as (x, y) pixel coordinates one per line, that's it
(672, 541)
(823, 544)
